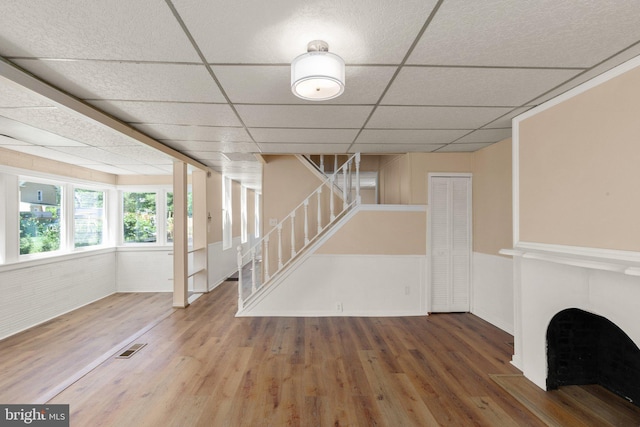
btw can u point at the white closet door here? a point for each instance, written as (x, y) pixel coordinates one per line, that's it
(450, 237)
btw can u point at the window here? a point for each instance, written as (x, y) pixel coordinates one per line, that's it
(170, 217)
(226, 214)
(40, 217)
(88, 217)
(139, 217)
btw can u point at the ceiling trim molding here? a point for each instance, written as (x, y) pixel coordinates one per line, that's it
(23, 79)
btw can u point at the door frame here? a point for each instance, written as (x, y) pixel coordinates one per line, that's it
(428, 239)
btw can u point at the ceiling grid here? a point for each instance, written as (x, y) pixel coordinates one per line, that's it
(211, 79)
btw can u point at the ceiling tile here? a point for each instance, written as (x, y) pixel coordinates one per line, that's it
(238, 147)
(594, 72)
(53, 126)
(505, 120)
(12, 96)
(486, 135)
(93, 153)
(304, 135)
(137, 81)
(409, 136)
(370, 148)
(463, 148)
(240, 157)
(144, 170)
(472, 86)
(51, 154)
(271, 84)
(143, 153)
(276, 148)
(544, 33)
(434, 117)
(144, 30)
(194, 132)
(170, 112)
(304, 116)
(204, 155)
(361, 31)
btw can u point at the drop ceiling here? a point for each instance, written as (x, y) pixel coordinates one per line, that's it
(210, 79)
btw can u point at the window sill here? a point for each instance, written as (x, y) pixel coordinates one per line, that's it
(54, 258)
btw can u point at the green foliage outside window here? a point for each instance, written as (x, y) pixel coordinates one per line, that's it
(139, 217)
(39, 222)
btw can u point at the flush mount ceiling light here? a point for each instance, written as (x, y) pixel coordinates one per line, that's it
(317, 75)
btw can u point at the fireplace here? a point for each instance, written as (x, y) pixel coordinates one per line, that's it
(577, 318)
(584, 348)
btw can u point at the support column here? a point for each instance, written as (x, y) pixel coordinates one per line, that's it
(180, 245)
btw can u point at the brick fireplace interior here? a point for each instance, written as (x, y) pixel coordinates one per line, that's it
(584, 348)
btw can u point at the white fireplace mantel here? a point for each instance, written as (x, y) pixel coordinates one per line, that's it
(624, 262)
(550, 278)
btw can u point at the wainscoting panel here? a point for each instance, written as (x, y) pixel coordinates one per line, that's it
(40, 291)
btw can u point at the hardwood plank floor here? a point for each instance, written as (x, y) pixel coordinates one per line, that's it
(204, 367)
(41, 361)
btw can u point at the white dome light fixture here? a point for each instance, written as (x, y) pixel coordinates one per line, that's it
(317, 75)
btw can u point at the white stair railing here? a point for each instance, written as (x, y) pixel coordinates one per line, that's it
(254, 266)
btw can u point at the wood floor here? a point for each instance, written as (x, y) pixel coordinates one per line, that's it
(204, 367)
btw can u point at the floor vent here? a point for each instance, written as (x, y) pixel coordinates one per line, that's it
(130, 351)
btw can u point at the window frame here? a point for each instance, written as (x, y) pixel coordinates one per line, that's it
(161, 192)
(105, 219)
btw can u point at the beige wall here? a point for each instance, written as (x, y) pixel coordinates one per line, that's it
(286, 182)
(403, 179)
(394, 180)
(26, 161)
(492, 198)
(380, 233)
(579, 169)
(236, 209)
(251, 203)
(421, 164)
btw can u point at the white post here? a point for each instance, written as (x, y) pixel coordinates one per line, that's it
(253, 270)
(344, 186)
(331, 202)
(322, 163)
(265, 261)
(280, 265)
(306, 221)
(319, 210)
(239, 260)
(293, 234)
(335, 164)
(358, 198)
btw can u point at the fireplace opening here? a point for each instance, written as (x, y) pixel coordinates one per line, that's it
(583, 348)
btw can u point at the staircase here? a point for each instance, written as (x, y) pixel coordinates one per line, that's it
(288, 241)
